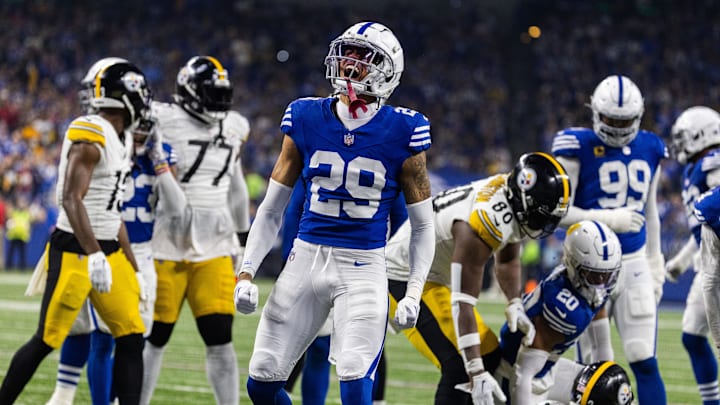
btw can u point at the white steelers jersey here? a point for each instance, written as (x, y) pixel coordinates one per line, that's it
(107, 184)
(206, 155)
(482, 204)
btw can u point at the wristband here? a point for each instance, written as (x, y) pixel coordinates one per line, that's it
(161, 168)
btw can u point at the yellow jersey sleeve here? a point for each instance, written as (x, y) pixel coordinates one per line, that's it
(84, 130)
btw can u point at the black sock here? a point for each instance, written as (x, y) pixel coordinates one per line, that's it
(128, 368)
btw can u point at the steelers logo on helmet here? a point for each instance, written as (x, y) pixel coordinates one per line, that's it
(527, 178)
(183, 76)
(117, 83)
(133, 81)
(625, 395)
(538, 190)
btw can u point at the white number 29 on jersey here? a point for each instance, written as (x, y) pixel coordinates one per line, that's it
(616, 179)
(347, 174)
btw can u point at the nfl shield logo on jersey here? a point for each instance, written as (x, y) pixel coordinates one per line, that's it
(349, 139)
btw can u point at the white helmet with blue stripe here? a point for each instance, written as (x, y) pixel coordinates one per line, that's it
(592, 256)
(382, 57)
(695, 130)
(617, 107)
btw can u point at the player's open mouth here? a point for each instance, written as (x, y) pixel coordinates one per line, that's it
(351, 72)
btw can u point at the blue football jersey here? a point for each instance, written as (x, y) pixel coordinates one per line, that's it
(694, 183)
(138, 210)
(351, 177)
(565, 310)
(612, 177)
(707, 209)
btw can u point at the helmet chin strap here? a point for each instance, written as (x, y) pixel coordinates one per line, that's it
(355, 102)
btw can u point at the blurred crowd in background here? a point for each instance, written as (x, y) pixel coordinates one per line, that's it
(491, 90)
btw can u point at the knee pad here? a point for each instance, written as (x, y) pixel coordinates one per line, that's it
(264, 367)
(160, 334)
(215, 329)
(637, 350)
(349, 366)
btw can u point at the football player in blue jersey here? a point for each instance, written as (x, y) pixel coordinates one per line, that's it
(89, 253)
(314, 365)
(614, 170)
(696, 144)
(707, 211)
(561, 307)
(355, 154)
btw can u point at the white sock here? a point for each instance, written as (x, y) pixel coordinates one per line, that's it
(66, 385)
(222, 372)
(152, 362)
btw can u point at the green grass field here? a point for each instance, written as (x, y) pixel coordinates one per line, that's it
(411, 378)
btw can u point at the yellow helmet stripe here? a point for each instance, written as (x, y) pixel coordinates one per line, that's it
(98, 79)
(563, 174)
(219, 67)
(588, 388)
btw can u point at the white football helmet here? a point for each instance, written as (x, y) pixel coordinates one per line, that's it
(592, 256)
(696, 129)
(617, 107)
(372, 46)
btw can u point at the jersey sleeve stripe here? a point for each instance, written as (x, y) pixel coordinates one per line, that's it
(78, 133)
(422, 129)
(420, 143)
(557, 323)
(710, 163)
(561, 144)
(490, 226)
(477, 225)
(287, 118)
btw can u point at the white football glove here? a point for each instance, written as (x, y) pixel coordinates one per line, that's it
(154, 142)
(657, 271)
(99, 271)
(674, 268)
(406, 314)
(144, 292)
(624, 219)
(518, 319)
(246, 297)
(484, 387)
